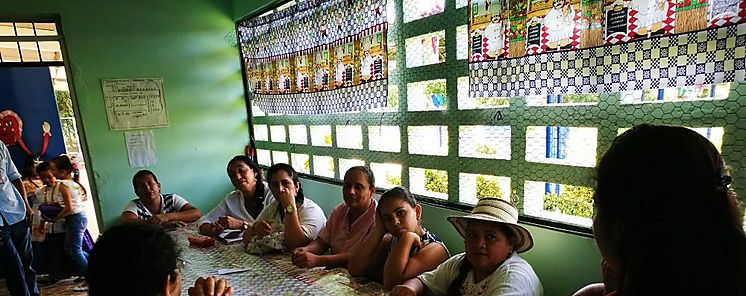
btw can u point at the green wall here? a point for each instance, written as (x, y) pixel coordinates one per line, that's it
(179, 41)
(563, 262)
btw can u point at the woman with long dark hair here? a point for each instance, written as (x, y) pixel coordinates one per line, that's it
(666, 221)
(288, 222)
(242, 206)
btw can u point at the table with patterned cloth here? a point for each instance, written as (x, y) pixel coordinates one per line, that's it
(272, 274)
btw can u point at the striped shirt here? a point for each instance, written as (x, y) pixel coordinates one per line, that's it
(169, 203)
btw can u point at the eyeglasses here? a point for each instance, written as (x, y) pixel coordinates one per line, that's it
(181, 264)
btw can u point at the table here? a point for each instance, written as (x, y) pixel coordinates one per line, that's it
(272, 274)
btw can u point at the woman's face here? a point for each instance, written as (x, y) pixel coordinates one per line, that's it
(398, 216)
(486, 245)
(47, 178)
(356, 190)
(242, 176)
(147, 187)
(282, 185)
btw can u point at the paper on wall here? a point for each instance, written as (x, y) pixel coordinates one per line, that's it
(140, 148)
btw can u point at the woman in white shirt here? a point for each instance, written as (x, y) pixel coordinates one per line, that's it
(240, 207)
(288, 222)
(490, 265)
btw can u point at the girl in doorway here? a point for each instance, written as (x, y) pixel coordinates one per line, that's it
(399, 241)
(76, 222)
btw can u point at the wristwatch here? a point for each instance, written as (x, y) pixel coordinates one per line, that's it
(290, 209)
(245, 225)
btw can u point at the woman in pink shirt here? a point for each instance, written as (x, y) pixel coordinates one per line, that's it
(347, 226)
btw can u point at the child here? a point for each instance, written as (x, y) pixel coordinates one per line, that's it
(47, 201)
(398, 248)
(490, 265)
(347, 226)
(73, 211)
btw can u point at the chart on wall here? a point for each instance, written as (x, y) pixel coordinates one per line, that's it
(135, 103)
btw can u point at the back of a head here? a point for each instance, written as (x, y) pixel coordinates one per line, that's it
(662, 195)
(131, 259)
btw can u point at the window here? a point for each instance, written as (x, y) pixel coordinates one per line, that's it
(41, 42)
(442, 122)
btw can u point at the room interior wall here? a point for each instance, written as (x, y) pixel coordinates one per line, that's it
(183, 42)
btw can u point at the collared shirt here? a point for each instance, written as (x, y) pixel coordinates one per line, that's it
(344, 235)
(169, 203)
(12, 208)
(234, 205)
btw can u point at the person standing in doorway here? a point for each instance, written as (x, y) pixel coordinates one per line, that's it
(15, 238)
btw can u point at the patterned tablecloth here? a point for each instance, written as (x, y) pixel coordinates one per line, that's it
(268, 274)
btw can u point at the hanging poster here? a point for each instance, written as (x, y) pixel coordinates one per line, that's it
(517, 31)
(651, 17)
(344, 66)
(617, 22)
(303, 73)
(321, 70)
(488, 29)
(373, 61)
(269, 81)
(284, 82)
(591, 23)
(725, 12)
(134, 103)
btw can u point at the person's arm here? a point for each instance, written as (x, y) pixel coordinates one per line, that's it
(294, 235)
(312, 255)
(410, 287)
(128, 216)
(400, 266)
(18, 184)
(371, 253)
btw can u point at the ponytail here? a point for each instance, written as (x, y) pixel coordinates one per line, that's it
(63, 162)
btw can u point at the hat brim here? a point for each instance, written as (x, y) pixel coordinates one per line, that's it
(524, 240)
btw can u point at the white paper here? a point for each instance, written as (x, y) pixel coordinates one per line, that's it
(140, 148)
(134, 103)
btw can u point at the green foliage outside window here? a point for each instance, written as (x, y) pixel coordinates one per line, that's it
(64, 103)
(487, 187)
(492, 102)
(393, 99)
(393, 180)
(579, 98)
(574, 200)
(437, 89)
(436, 181)
(485, 149)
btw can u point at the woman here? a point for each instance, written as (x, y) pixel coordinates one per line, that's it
(142, 259)
(48, 201)
(238, 209)
(169, 210)
(665, 221)
(288, 222)
(398, 248)
(347, 226)
(490, 265)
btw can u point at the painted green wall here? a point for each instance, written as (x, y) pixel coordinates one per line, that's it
(179, 41)
(563, 262)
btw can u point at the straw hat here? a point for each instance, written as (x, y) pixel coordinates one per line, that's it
(498, 211)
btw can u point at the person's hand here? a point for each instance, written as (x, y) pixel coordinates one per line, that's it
(228, 222)
(379, 228)
(285, 198)
(214, 229)
(159, 219)
(402, 290)
(416, 241)
(304, 259)
(30, 214)
(210, 286)
(262, 228)
(46, 219)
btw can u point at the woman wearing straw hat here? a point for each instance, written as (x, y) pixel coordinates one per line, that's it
(490, 265)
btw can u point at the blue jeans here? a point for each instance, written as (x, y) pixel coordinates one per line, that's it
(75, 225)
(16, 257)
